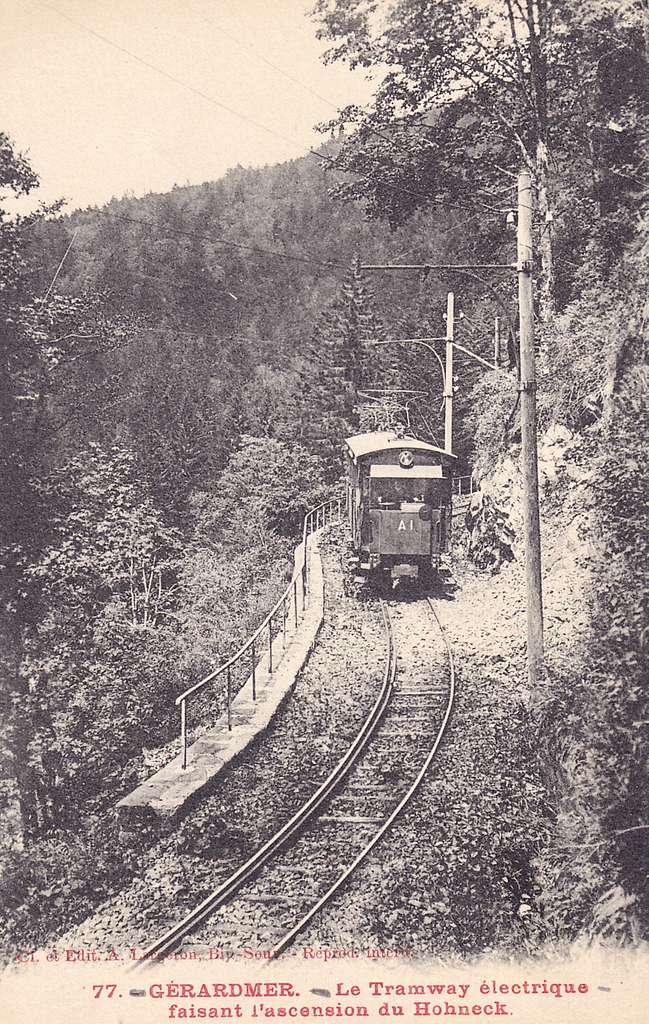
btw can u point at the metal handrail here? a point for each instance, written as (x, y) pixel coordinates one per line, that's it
(316, 518)
(472, 485)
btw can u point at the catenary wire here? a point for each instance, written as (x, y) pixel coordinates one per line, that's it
(264, 60)
(257, 124)
(256, 249)
(166, 74)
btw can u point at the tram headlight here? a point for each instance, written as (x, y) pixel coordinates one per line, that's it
(406, 460)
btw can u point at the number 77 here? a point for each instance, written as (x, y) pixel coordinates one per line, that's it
(98, 989)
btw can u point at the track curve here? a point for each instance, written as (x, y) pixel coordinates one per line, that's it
(288, 939)
(171, 939)
(315, 842)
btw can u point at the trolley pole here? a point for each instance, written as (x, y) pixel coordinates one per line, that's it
(529, 459)
(448, 390)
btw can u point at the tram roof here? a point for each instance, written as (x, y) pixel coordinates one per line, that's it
(384, 440)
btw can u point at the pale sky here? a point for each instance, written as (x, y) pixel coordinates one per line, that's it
(95, 122)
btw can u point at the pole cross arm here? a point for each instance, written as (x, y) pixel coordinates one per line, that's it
(438, 266)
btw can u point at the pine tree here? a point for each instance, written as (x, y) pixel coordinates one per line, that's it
(341, 357)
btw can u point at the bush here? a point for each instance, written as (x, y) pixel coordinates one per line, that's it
(492, 420)
(577, 350)
(50, 887)
(594, 726)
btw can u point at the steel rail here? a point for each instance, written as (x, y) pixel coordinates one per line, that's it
(170, 939)
(289, 938)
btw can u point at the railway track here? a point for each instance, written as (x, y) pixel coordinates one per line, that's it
(293, 876)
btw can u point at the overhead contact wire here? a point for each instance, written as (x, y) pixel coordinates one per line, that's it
(257, 124)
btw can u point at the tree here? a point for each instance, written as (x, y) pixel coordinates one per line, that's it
(339, 357)
(246, 527)
(267, 485)
(472, 88)
(176, 401)
(74, 552)
(19, 506)
(103, 588)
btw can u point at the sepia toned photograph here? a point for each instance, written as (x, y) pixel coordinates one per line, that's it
(324, 543)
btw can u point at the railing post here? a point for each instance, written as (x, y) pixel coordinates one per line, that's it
(284, 620)
(270, 646)
(183, 734)
(254, 672)
(305, 566)
(295, 600)
(229, 684)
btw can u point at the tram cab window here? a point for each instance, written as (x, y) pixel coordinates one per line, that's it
(438, 492)
(395, 493)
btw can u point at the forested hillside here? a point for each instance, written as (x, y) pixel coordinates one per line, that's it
(248, 274)
(178, 371)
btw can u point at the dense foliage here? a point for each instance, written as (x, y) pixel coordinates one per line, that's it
(144, 534)
(595, 708)
(176, 373)
(467, 91)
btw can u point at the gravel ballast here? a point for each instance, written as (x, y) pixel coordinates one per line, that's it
(278, 772)
(453, 878)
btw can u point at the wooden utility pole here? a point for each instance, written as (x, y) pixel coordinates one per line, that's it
(497, 341)
(448, 381)
(531, 519)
